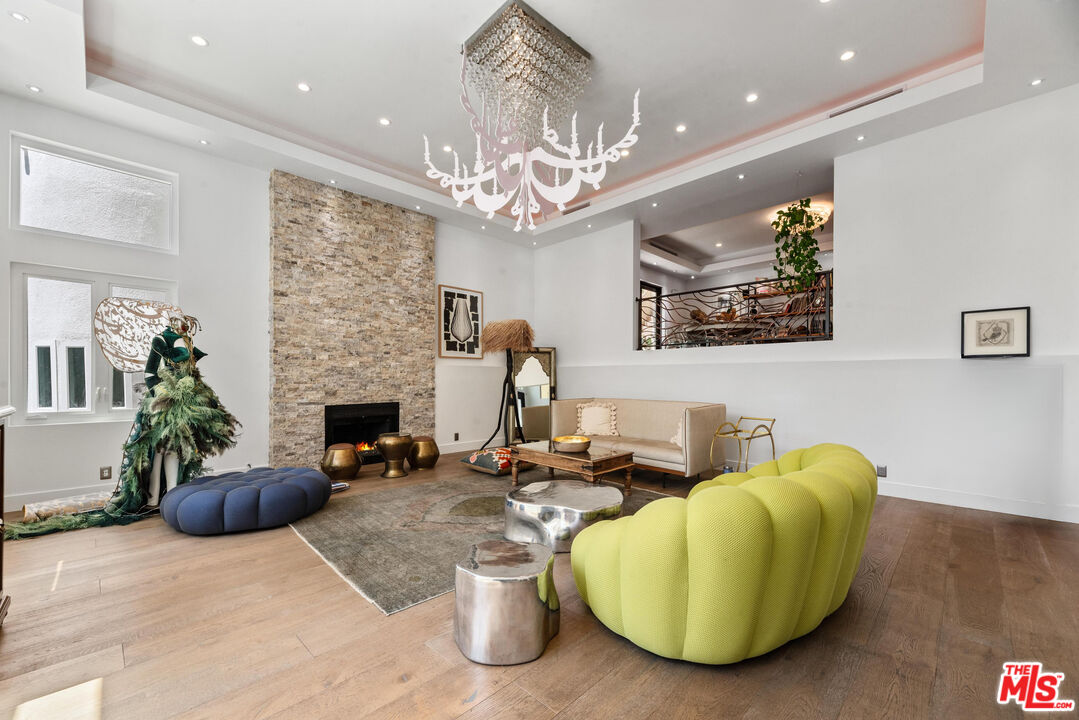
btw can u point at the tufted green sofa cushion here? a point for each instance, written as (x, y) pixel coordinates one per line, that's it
(746, 563)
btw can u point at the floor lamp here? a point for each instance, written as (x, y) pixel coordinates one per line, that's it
(506, 336)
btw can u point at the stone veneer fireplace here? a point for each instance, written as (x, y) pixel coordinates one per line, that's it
(353, 302)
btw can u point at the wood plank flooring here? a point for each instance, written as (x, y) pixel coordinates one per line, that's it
(257, 626)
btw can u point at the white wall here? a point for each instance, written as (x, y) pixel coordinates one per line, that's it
(467, 391)
(222, 272)
(969, 215)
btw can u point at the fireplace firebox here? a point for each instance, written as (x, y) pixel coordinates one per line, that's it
(360, 425)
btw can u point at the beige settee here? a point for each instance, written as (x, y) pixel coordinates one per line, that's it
(647, 427)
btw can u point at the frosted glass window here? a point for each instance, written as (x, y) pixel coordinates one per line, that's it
(64, 377)
(58, 330)
(71, 195)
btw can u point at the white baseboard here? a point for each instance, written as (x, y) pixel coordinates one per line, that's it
(975, 501)
(464, 445)
(15, 502)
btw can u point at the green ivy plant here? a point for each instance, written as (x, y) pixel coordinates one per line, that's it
(796, 248)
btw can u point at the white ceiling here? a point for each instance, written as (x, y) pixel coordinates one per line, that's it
(366, 59)
(694, 62)
(742, 235)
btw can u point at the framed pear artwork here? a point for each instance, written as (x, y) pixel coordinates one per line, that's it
(460, 317)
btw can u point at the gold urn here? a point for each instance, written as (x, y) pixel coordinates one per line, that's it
(424, 453)
(341, 461)
(394, 448)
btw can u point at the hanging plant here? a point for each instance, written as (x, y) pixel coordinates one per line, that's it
(796, 248)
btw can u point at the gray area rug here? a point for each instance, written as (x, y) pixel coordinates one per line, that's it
(398, 547)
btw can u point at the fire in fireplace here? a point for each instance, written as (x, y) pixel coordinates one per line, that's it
(360, 425)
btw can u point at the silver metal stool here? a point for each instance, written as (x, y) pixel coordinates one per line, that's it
(507, 605)
(552, 512)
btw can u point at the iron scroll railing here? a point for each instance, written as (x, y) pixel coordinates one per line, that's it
(742, 314)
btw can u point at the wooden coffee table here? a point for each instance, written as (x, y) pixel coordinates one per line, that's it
(590, 464)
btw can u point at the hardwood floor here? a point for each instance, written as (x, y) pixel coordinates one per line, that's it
(257, 626)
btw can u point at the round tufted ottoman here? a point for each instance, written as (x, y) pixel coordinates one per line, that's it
(237, 501)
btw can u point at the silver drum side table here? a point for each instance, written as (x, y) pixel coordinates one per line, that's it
(507, 605)
(552, 512)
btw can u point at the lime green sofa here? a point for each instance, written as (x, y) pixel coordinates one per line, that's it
(746, 563)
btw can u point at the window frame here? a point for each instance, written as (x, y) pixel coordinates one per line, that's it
(99, 370)
(657, 331)
(21, 140)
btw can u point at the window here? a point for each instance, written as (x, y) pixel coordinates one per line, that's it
(649, 316)
(75, 193)
(65, 378)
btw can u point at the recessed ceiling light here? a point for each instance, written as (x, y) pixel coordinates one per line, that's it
(861, 138)
(847, 55)
(680, 128)
(1036, 82)
(199, 40)
(655, 204)
(447, 148)
(692, 277)
(719, 244)
(655, 263)
(417, 207)
(303, 87)
(33, 88)
(533, 242)
(625, 153)
(483, 227)
(589, 226)
(19, 16)
(751, 98)
(741, 177)
(333, 182)
(204, 142)
(822, 2)
(383, 121)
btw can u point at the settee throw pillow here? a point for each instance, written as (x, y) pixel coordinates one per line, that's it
(597, 418)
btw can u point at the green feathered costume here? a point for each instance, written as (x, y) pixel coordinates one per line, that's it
(179, 413)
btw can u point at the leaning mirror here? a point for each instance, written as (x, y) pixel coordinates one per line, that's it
(534, 388)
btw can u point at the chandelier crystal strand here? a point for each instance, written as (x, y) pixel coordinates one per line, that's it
(521, 58)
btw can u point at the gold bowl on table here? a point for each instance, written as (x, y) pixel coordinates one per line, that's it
(571, 443)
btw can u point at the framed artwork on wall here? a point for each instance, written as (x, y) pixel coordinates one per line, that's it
(460, 317)
(1004, 332)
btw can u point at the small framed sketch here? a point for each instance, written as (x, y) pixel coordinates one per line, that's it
(996, 333)
(460, 317)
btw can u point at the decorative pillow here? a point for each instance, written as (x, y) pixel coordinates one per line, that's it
(597, 418)
(493, 461)
(677, 439)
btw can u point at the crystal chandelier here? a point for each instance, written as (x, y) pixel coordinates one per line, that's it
(527, 75)
(521, 65)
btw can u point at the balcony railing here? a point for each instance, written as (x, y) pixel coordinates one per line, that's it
(742, 314)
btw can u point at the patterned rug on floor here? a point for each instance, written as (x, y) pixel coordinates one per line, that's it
(398, 547)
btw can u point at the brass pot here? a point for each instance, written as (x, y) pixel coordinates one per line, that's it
(341, 462)
(424, 453)
(394, 448)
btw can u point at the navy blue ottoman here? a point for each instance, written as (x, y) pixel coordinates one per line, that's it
(237, 501)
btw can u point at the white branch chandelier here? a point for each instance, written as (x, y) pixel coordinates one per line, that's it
(519, 63)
